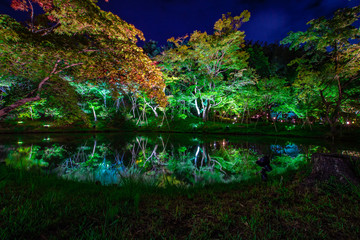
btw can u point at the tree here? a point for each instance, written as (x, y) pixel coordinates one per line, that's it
(77, 38)
(330, 65)
(258, 60)
(274, 93)
(151, 48)
(202, 63)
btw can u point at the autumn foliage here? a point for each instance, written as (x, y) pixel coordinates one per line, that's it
(81, 40)
(26, 5)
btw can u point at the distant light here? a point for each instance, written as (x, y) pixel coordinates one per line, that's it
(274, 118)
(20, 122)
(46, 125)
(20, 142)
(348, 123)
(46, 139)
(235, 118)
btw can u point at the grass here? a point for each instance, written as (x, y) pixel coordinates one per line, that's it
(37, 206)
(189, 125)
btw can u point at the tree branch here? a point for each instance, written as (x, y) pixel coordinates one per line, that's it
(31, 16)
(27, 99)
(17, 104)
(47, 30)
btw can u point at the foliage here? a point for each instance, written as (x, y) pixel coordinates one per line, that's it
(25, 158)
(198, 69)
(329, 68)
(105, 50)
(76, 64)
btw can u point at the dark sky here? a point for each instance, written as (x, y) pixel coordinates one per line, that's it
(270, 20)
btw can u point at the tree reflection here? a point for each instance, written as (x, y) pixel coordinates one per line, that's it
(159, 160)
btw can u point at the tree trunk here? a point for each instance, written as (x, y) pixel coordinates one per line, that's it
(152, 108)
(95, 118)
(206, 111)
(197, 107)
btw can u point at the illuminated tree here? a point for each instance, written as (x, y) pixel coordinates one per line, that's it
(200, 65)
(75, 37)
(329, 69)
(274, 92)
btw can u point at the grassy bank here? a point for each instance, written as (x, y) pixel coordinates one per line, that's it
(189, 125)
(37, 206)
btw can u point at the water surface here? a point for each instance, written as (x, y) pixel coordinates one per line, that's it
(161, 159)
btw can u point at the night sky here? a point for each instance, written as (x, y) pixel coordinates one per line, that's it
(270, 20)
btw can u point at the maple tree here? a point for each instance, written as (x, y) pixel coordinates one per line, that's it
(203, 63)
(77, 38)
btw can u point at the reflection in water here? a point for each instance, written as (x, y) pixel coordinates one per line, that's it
(161, 160)
(26, 158)
(289, 149)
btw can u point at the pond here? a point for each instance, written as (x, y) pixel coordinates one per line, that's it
(162, 159)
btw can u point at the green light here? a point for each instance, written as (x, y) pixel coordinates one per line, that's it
(289, 128)
(20, 122)
(20, 142)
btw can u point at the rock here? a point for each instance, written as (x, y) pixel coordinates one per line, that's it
(326, 166)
